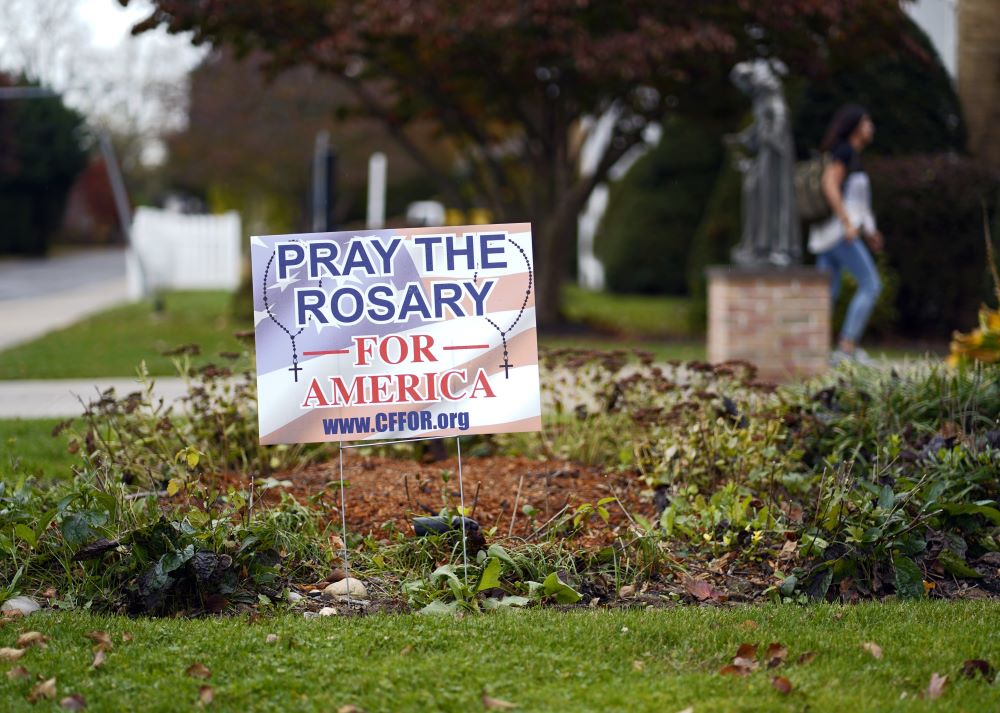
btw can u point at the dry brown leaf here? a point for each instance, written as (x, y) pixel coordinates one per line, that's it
(45, 689)
(627, 591)
(746, 651)
(496, 704)
(101, 638)
(50, 593)
(126, 636)
(703, 591)
(405, 650)
(32, 638)
(735, 670)
(936, 687)
(807, 657)
(775, 654)
(973, 666)
(10, 654)
(205, 695)
(98, 658)
(872, 648)
(271, 639)
(350, 708)
(73, 702)
(781, 685)
(198, 670)
(638, 664)
(18, 672)
(748, 625)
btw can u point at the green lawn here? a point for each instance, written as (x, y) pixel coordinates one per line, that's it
(654, 316)
(30, 443)
(113, 343)
(663, 661)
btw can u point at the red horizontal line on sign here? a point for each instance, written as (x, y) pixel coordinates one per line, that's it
(331, 351)
(467, 346)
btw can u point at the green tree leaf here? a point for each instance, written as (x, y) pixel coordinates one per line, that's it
(909, 578)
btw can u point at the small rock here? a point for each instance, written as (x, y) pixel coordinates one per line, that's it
(24, 605)
(328, 611)
(351, 587)
(294, 597)
(309, 615)
(627, 591)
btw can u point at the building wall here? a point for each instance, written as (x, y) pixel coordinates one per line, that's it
(979, 75)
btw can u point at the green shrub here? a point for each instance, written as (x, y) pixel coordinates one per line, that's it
(930, 208)
(653, 211)
(41, 154)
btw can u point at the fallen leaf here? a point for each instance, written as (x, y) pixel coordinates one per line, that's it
(872, 648)
(45, 689)
(973, 666)
(198, 670)
(775, 654)
(271, 639)
(98, 658)
(32, 638)
(936, 687)
(807, 657)
(126, 636)
(18, 672)
(73, 702)
(638, 664)
(405, 650)
(702, 590)
(350, 708)
(781, 685)
(748, 625)
(10, 654)
(495, 704)
(205, 695)
(747, 651)
(50, 593)
(734, 670)
(689, 709)
(627, 591)
(101, 638)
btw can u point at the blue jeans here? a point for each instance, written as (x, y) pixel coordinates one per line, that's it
(853, 256)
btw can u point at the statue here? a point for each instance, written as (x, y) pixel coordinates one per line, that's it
(771, 233)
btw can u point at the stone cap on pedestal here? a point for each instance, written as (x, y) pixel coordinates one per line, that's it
(747, 272)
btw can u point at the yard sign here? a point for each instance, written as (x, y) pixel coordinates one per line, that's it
(394, 334)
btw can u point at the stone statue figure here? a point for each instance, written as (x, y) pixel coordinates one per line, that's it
(771, 233)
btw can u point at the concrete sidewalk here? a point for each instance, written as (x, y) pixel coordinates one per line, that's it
(60, 398)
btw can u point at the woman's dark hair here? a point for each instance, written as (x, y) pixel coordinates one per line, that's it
(843, 124)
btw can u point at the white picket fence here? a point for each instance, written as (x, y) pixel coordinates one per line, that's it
(175, 251)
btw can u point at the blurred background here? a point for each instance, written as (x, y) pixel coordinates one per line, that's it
(173, 126)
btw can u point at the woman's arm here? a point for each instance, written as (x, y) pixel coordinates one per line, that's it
(833, 179)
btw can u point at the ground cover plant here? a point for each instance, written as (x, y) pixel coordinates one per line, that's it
(652, 483)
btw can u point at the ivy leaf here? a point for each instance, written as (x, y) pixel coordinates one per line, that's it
(956, 565)
(561, 592)
(909, 578)
(491, 575)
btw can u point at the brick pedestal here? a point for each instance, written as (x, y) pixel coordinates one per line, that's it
(776, 318)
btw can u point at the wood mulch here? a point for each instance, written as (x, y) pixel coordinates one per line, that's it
(386, 493)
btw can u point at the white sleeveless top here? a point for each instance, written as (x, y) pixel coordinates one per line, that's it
(858, 204)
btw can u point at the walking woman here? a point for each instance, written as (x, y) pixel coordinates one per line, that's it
(839, 242)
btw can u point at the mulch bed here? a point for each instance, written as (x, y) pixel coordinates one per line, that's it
(383, 493)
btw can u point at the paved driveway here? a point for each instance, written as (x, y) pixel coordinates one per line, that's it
(38, 296)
